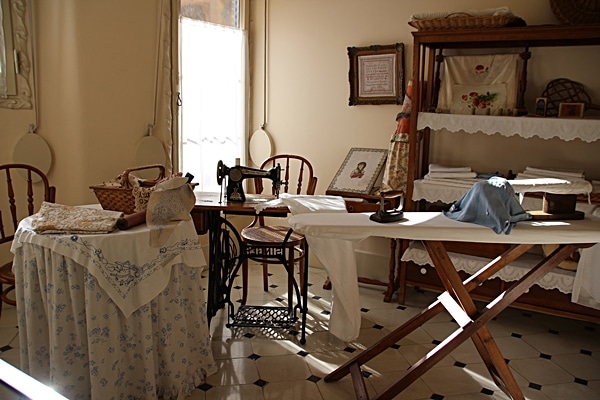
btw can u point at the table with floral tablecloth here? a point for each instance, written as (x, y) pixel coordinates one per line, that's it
(108, 316)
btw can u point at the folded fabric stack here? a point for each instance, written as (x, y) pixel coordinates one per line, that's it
(533, 172)
(437, 171)
(63, 219)
(551, 181)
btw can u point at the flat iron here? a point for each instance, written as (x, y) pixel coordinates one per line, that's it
(393, 215)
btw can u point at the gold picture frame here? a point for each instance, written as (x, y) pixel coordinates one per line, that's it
(571, 110)
(376, 74)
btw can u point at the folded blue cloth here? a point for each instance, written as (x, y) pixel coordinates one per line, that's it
(490, 203)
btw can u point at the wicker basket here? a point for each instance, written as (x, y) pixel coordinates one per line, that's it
(121, 198)
(463, 21)
(576, 12)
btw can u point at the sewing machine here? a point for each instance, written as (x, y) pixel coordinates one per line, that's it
(237, 174)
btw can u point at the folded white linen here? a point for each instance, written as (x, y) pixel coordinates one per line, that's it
(524, 184)
(434, 175)
(553, 173)
(444, 168)
(60, 218)
(299, 204)
(316, 203)
(464, 183)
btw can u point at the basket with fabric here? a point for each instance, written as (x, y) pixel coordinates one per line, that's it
(125, 196)
(469, 19)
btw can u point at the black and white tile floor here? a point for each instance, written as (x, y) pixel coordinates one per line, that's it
(552, 358)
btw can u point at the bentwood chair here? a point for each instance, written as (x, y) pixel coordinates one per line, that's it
(297, 178)
(22, 189)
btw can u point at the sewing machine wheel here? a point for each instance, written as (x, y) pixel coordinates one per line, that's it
(220, 172)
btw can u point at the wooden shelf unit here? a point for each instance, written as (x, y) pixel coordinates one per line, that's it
(428, 47)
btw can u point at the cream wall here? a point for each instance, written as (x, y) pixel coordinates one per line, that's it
(308, 110)
(95, 72)
(95, 65)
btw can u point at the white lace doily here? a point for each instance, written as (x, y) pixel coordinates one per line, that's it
(555, 279)
(567, 129)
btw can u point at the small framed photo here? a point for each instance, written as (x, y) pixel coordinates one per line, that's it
(359, 171)
(541, 104)
(571, 110)
(376, 74)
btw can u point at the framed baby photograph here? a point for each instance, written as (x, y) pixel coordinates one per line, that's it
(359, 171)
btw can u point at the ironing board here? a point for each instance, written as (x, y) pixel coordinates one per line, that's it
(433, 228)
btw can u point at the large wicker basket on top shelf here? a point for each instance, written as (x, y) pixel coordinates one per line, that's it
(121, 197)
(464, 21)
(576, 12)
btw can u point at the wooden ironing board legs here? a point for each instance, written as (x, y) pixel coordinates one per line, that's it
(472, 322)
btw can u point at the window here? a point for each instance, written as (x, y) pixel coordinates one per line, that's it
(213, 88)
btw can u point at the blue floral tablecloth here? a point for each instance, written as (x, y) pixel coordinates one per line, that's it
(107, 316)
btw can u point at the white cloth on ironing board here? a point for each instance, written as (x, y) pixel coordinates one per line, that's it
(338, 259)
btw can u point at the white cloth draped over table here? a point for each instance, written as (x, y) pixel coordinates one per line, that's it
(338, 259)
(107, 316)
(338, 230)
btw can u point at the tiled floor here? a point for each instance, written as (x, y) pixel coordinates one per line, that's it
(551, 357)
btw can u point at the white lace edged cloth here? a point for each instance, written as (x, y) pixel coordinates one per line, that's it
(545, 128)
(59, 218)
(560, 279)
(336, 256)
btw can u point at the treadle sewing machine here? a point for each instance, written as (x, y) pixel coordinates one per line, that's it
(236, 175)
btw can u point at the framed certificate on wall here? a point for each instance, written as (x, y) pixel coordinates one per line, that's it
(376, 74)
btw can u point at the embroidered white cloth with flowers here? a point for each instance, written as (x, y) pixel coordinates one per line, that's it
(59, 218)
(171, 201)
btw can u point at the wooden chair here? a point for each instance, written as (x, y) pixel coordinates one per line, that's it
(25, 187)
(298, 178)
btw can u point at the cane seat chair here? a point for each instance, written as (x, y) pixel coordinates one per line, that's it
(297, 178)
(22, 189)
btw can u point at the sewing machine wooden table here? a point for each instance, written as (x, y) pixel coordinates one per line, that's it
(432, 228)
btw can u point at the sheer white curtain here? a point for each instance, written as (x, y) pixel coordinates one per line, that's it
(213, 106)
(3, 88)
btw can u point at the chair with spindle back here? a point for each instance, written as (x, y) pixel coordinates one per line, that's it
(298, 178)
(22, 189)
